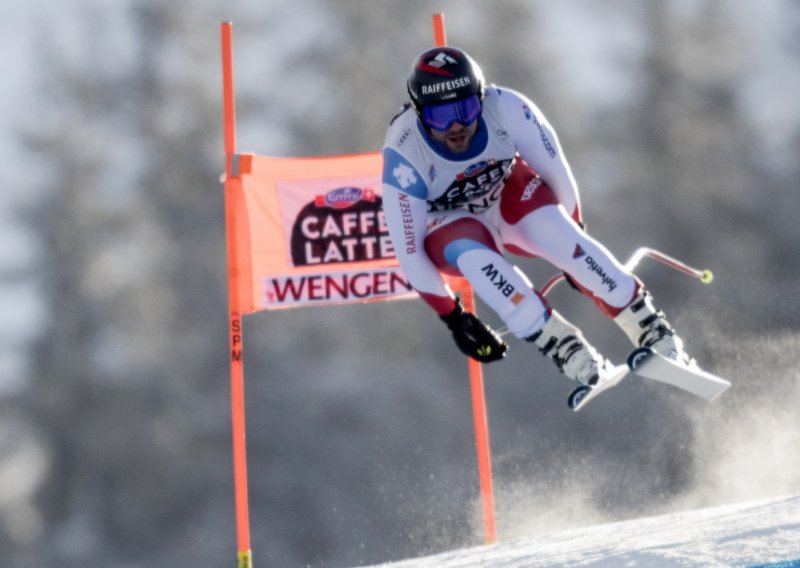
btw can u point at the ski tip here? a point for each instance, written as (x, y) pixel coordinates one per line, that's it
(639, 356)
(723, 387)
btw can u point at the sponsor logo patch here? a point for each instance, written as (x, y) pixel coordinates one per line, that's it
(344, 197)
(593, 266)
(527, 112)
(475, 189)
(500, 282)
(445, 86)
(530, 188)
(441, 60)
(403, 137)
(334, 287)
(548, 146)
(344, 225)
(404, 175)
(475, 169)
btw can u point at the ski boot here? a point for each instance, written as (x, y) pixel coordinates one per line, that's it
(648, 327)
(572, 354)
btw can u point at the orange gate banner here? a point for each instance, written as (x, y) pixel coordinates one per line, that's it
(309, 231)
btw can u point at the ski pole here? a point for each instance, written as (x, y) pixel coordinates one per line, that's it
(705, 275)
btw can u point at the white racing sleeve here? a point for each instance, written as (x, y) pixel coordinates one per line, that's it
(537, 143)
(406, 211)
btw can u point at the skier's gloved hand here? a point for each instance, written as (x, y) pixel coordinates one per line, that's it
(473, 337)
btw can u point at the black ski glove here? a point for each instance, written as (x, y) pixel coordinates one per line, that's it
(473, 337)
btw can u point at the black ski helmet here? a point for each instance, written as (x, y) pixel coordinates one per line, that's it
(441, 75)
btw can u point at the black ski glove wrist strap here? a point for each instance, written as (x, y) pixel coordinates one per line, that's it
(453, 318)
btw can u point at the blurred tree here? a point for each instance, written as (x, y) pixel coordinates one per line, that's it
(697, 183)
(127, 374)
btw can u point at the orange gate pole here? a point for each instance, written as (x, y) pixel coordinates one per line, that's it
(481, 421)
(232, 189)
(479, 415)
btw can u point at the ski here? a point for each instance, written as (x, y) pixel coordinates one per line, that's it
(580, 396)
(648, 364)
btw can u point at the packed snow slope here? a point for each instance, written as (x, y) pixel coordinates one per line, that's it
(760, 533)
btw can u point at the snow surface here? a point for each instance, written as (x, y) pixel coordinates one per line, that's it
(761, 533)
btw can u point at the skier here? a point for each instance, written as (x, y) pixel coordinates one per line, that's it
(472, 171)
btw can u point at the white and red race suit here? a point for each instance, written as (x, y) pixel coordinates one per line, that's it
(511, 191)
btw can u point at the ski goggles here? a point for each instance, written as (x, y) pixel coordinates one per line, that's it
(442, 116)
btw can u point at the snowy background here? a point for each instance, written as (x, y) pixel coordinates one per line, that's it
(759, 534)
(682, 124)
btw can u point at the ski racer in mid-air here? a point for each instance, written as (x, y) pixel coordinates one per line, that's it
(474, 171)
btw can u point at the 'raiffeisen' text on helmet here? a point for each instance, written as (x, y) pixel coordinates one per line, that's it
(443, 74)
